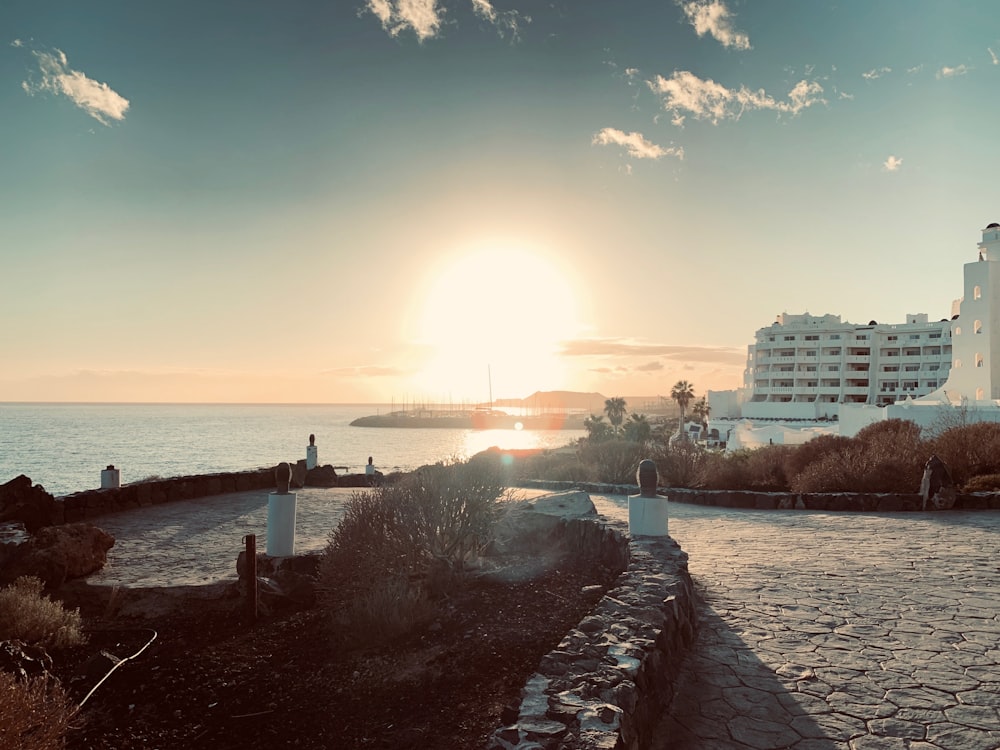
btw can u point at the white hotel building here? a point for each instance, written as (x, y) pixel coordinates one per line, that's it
(805, 371)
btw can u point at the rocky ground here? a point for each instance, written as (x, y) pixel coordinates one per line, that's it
(210, 679)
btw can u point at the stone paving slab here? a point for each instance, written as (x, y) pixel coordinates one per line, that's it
(839, 631)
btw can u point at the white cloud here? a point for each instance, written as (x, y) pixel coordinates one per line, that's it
(958, 70)
(844, 95)
(712, 17)
(509, 20)
(17, 43)
(874, 73)
(892, 164)
(993, 56)
(635, 144)
(915, 68)
(684, 92)
(423, 16)
(97, 99)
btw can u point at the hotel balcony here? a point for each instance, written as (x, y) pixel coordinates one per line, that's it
(856, 390)
(858, 358)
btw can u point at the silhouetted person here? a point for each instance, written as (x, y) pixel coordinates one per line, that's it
(370, 472)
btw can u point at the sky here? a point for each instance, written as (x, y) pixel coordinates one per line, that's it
(447, 200)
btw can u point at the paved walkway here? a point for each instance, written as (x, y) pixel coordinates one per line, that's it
(820, 631)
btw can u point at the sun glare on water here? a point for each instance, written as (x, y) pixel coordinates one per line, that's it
(499, 306)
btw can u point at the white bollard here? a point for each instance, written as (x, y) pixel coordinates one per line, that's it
(647, 516)
(312, 457)
(111, 478)
(281, 524)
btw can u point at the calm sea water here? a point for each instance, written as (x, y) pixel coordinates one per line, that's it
(64, 446)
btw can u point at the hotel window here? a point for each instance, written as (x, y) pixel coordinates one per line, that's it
(977, 292)
(979, 359)
(957, 364)
(978, 326)
(958, 330)
(980, 393)
(835, 337)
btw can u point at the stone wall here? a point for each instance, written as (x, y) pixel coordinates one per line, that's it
(849, 501)
(93, 503)
(610, 680)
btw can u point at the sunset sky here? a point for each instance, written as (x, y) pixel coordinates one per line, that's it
(383, 200)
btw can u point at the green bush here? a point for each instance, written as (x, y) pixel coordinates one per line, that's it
(34, 715)
(26, 614)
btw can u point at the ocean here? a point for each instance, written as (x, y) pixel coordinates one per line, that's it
(63, 447)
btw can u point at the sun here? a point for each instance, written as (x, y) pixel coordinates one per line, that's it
(495, 314)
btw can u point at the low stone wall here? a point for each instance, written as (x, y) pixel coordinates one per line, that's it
(90, 504)
(837, 501)
(610, 680)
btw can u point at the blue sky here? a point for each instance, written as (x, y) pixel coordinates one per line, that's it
(378, 200)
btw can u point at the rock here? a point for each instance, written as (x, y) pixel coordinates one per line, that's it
(59, 553)
(572, 504)
(27, 503)
(23, 660)
(322, 476)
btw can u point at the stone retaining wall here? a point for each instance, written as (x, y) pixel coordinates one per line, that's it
(610, 680)
(89, 504)
(838, 501)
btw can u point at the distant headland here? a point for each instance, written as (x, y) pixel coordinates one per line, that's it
(543, 410)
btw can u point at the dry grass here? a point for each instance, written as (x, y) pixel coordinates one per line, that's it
(34, 715)
(26, 614)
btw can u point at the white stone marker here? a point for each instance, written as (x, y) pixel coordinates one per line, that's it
(647, 511)
(281, 516)
(312, 453)
(111, 478)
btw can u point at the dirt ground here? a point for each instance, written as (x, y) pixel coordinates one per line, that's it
(211, 679)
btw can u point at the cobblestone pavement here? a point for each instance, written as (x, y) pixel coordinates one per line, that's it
(840, 631)
(820, 631)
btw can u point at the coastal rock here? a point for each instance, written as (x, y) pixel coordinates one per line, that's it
(59, 553)
(27, 503)
(322, 476)
(299, 472)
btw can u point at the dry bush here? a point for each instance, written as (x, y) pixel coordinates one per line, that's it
(680, 465)
(26, 614)
(396, 546)
(803, 455)
(556, 467)
(34, 715)
(983, 483)
(385, 609)
(722, 471)
(612, 461)
(969, 451)
(859, 469)
(765, 468)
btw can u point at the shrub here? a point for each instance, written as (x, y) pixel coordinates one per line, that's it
(612, 461)
(969, 450)
(679, 465)
(983, 483)
(807, 453)
(722, 471)
(26, 614)
(859, 469)
(396, 546)
(34, 715)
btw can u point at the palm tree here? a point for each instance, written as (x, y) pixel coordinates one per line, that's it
(682, 393)
(638, 429)
(597, 429)
(701, 410)
(615, 409)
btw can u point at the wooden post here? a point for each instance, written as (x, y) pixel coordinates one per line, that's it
(251, 558)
